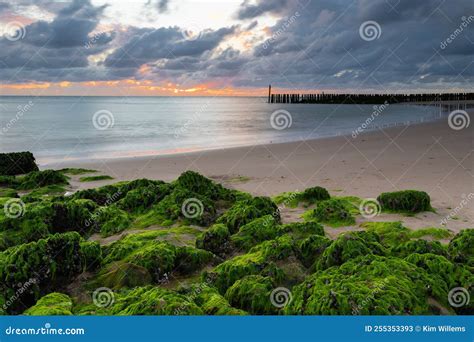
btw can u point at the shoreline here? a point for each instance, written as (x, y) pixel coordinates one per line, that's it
(428, 156)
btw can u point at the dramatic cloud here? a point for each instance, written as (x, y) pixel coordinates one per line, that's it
(407, 45)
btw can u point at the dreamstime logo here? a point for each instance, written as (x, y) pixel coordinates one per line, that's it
(192, 208)
(282, 29)
(369, 208)
(280, 297)
(103, 119)
(377, 110)
(370, 30)
(465, 22)
(14, 31)
(94, 39)
(459, 119)
(103, 297)
(21, 110)
(458, 297)
(465, 200)
(281, 119)
(191, 32)
(14, 208)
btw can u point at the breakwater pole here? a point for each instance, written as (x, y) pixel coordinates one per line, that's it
(367, 98)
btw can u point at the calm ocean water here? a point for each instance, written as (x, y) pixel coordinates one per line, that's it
(54, 128)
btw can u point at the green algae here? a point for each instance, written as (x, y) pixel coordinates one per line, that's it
(216, 239)
(252, 294)
(406, 201)
(333, 212)
(53, 304)
(308, 197)
(95, 178)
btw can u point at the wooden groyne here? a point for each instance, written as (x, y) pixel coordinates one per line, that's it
(367, 98)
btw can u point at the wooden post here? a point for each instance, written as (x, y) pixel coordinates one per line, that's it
(269, 92)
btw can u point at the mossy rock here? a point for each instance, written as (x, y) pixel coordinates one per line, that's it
(391, 233)
(75, 215)
(216, 239)
(311, 249)
(53, 304)
(120, 275)
(461, 247)
(333, 212)
(368, 285)
(150, 300)
(210, 301)
(112, 220)
(9, 193)
(349, 246)
(189, 259)
(406, 201)
(37, 268)
(419, 246)
(245, 211)
(102, 196)
(194, 182)
(259, 230)
(91, 255)
(252, 294)
(38, 179)
(301, 230)
(315, 194)
(17, 163)
(142, 198)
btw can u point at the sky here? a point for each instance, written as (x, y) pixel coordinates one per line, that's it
(234, 47)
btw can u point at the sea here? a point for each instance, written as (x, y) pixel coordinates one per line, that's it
(76, 128)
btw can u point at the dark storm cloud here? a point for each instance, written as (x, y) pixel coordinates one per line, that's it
(321, 47)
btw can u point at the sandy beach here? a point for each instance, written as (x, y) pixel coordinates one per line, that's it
(431, 157)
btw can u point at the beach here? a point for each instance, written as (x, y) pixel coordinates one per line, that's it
(431, 157)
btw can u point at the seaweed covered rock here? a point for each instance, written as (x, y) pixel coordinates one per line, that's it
(112, 220)
(260, 229)
(334, 212)
(301, 230)
(391, 233)
(260, 260)
(38, 179)
(142, 198)
(419, 246)
(75, 215)
(150, 300)
(118, 275)
(194, 182)
(188, 206)
(103, 196)
(91, 255)
(216, 239)
(17, 163)
(189, 259)
(36, 268)
(53, 304)
(349, 246)
(461, 247)
(252, 294)
(311, 248)
(314, 194)
(210, 301)
(368, 285)
(406, 201)
(245, 211)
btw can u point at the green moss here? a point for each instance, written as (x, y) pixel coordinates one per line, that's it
(76, 171)
(390, 233)
(39, 268)
(53, 304)
(209, 300)
(142, 198)
(245, 211)
(50, 190)
(315, 194)
(75, 215)
(154, 301)
(120, 275)
(216, 239)
(407, 201)
(308, 196)
(301, 230)
(436, 233)
(91, 255)
(10, 193)
(17, 163)
(194, 182)
(368, 285)
(112, 220)
(95, 178)
(311, 249)
(349, 246)
(461, 247)
(252, 293)
(250, 234)
(189, 259)
(38, 179)
(418, 246)
(333, 212)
